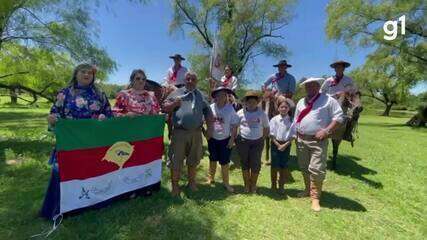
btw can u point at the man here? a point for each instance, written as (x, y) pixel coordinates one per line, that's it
(176, 73)
(339, 85)
(282, 82)
(316, 117)
(343, 89)
(188, 108)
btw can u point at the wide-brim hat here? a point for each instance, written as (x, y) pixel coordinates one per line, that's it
(225, 89)
(312, 79)
(343, 63)
(177, 56)
(253, 94)
(282, 62)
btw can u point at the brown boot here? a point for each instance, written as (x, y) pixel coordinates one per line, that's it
(306, 192)
(192, 178)
(175, 175)
(315, 193)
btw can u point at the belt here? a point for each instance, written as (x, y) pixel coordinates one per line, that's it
(307, 137)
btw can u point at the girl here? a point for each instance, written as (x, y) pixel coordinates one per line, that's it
(281, 137)
(254, 128)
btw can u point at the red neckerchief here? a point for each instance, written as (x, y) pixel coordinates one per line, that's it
(277, 78)
(227, 81)
(336, 80)
(308, 108)
(175, 73)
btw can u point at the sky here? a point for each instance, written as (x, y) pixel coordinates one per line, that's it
(137, 36)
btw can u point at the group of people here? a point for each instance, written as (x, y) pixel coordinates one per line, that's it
(192, 117)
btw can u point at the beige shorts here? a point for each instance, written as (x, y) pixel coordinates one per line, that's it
(312, 155)
(186, 144)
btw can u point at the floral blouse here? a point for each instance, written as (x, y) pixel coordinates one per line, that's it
(76, 102)
(139, 103)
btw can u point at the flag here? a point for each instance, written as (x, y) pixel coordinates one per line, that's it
(216, 64)
(99, 160)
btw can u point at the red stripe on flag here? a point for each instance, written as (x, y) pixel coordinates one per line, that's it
(87, 163)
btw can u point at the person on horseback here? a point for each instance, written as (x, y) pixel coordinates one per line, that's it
(282, 82)
(344, 90)
(176, 73)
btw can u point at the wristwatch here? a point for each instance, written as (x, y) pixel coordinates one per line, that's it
(328, 131)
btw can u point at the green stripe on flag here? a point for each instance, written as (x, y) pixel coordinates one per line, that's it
(91, 133)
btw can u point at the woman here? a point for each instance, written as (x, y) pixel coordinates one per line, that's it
(135, 100)
(80, 100)
(228, 80)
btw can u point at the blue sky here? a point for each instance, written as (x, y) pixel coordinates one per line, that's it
(137, 36)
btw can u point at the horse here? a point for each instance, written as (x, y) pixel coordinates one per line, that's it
(351, 106)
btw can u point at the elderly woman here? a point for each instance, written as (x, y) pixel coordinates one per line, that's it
(135, 100)
(80, 100)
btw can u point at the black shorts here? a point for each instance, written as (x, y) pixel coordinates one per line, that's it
(218, 151)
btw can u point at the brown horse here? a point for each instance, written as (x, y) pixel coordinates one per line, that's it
(351, 106)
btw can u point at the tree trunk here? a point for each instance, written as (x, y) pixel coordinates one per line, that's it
(13, 96)
(387, 109)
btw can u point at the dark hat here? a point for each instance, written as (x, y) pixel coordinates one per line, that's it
(225, 89)
(343, 63)
(282, 62)
(253, 94)
(177, 56)
(152, 84)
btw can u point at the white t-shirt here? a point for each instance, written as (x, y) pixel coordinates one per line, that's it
(180, 76)
(325, 110)
(224, 119)
(345, 85)
(252, 124)
(280, 128)
(232, 84)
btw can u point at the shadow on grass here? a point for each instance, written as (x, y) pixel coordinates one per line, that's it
(382, 124)
(347, 166)
(333, 201)
(13, 116)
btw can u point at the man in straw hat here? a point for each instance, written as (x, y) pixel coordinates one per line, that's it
(189, 109)
(176, 73)
(282, 82)
(316, 117)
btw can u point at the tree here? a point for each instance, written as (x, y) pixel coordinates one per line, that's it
(386, 78)
(51, 30)
(360, 23)
(246, 29)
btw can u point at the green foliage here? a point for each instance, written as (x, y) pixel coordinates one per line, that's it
(362, 199)
(244, 29)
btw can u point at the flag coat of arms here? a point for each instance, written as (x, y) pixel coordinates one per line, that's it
(99, 160)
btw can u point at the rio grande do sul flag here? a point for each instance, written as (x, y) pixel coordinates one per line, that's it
(99, 160)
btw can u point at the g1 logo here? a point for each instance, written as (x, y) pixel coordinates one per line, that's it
(391, 34)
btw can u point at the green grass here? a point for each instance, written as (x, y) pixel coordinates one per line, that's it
(377, 192)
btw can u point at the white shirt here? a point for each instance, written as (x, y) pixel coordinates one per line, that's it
(180, 76)
(345, 85)
(252, 124)
(224, 119)
(232, 84)
(280, 128)
(325, 110)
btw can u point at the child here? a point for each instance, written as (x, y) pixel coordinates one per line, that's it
(254, 129)
(224, 134)
(281, 137)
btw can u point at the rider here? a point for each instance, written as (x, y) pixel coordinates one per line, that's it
(176, 73)
(282, 82)
(339, 86)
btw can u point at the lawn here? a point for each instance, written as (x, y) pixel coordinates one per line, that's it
(377, 192)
